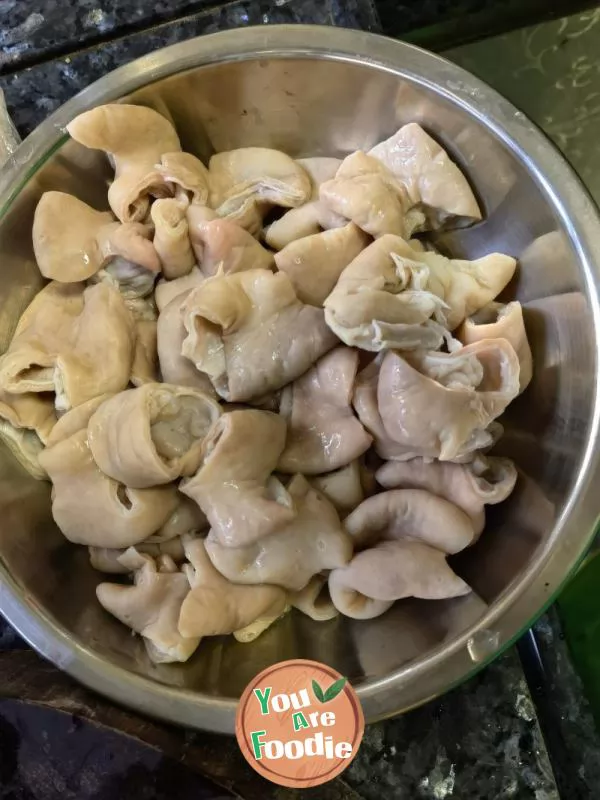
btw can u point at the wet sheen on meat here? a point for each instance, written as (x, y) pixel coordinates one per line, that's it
(151, 607)
(246, 182)
(151, 435)
(463, 393)
(135, 138)
(234, 485)
(323, 433)
(486, 480)
(366, 192)
(314, 263)
(58, 340)
(311, 542)
(435, 185)
(250, 334)
(215, 606)
(89, 507)
(390, 571)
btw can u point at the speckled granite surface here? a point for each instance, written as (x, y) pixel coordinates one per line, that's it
(32, 30)
(31, 94)
(35, 30)
(481, 741)
(562, 709)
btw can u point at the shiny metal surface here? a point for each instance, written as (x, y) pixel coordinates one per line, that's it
(324, 91)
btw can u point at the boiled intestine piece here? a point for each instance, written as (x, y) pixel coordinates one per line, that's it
(314, 600)
(390, 571)
(151, 435)
(75, 420)
(171, 333)
(144, 368)
(234, 485)
(366, 192)
(183, 176)
(460, 393)
(342, 487)
(215, 606)
(73, 242)
(403, 537)
(366, 405)
(26, 421)
(25, 446)
(130, 242)
(89, 507)
(186, 520)
(109, 560)
(472, 486)
(166, 291)
(434, 183)
(377, 305)
(323, 433)
(311, 542)
(171, 237)
(33, 412)
(250, 334)
(252, 631)
(414, 514)
(151, 607)
(135, 138)
(246, 182)
(464, 286)
(57, 341)
(64, 237)
(312, 216)
(499, 321)
(221, 245)
(394, 297)
(314, 263)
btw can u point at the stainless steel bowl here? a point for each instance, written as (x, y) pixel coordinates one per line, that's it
(311, 90)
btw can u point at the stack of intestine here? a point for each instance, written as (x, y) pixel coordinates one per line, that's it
(246, 417)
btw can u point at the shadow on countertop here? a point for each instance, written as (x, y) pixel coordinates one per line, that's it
(59, 741)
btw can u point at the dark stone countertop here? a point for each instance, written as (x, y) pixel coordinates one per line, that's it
(32, 93)
(522, 727)
(481, 740)
(35, 30)
(31, 30)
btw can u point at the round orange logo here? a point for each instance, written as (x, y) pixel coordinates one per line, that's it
(299, 723)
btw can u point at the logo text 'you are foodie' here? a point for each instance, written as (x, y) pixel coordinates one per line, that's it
(311, 746)
(299, 723)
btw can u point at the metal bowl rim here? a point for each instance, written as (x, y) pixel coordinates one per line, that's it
(572, 534)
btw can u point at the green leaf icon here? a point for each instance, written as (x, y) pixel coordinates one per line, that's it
(331, 693)
(334, 689)
(318, 692)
